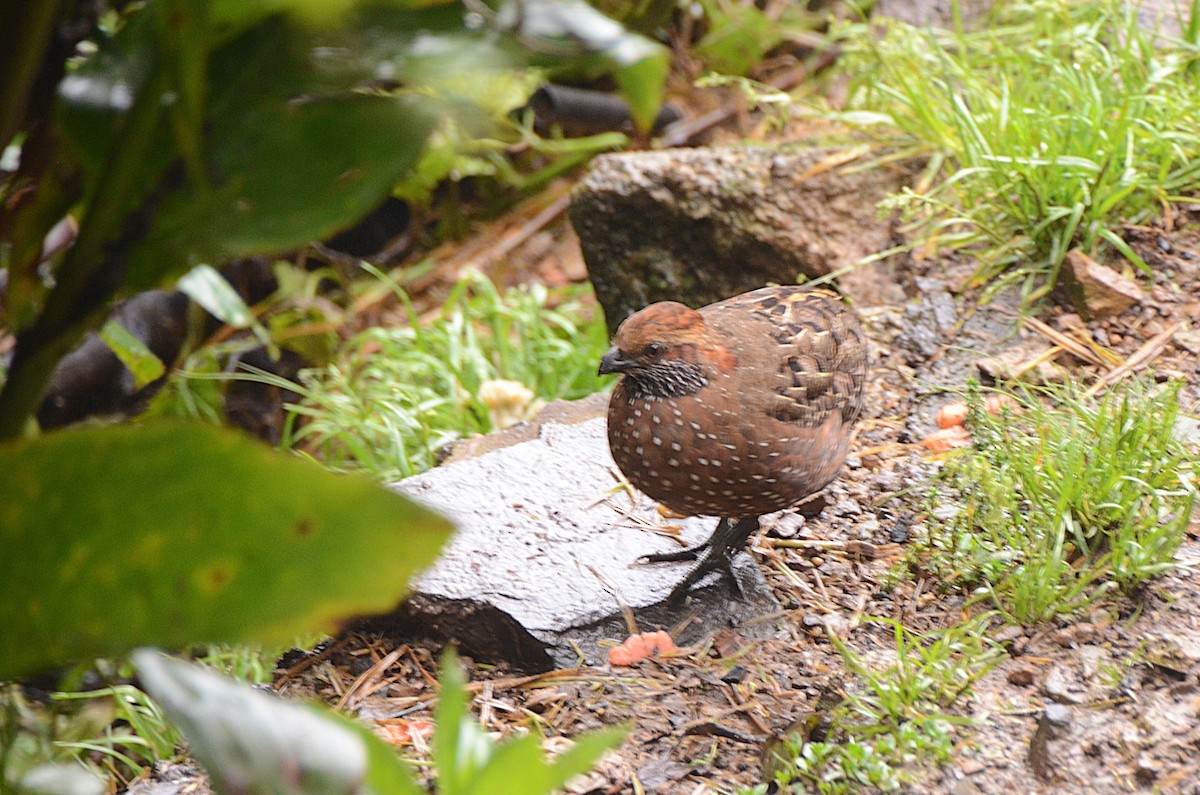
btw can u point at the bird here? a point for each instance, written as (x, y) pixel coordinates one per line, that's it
(737, 409)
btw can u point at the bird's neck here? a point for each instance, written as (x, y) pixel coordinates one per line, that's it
(667, 379)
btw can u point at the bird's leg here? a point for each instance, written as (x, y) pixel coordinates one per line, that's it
(714, 554)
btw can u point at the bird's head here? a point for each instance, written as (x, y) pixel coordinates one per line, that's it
(665, 350)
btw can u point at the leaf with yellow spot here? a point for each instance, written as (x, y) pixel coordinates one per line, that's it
(171, 534)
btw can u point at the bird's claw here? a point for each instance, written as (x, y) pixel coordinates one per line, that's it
(691, 553)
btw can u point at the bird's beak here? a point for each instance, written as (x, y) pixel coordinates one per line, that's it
(614, 362)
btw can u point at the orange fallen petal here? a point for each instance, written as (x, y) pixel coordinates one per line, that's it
(640, 647)
(951, 414)
(402, 732)
(947, 439)
(662, 641)
(619, 655)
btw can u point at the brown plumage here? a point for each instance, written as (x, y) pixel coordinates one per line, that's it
(741, 408)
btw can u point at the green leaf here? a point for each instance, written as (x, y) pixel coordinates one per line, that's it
(291, 149)
(468, 762)
(249, 741)
(642, 84)
(133, 353)
(207, 287)
(454, 745)
(175, 533)
(584, 753)
(289, 163)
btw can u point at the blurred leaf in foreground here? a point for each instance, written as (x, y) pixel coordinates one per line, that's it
(174, 534)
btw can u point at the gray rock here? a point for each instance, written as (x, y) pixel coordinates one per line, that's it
(1057, 686)
(928, 320)
(543, 559)
(700, 225)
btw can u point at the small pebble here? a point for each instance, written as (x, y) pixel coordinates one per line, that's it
(1075, 634)
(847, 508)
(1055, 687)
(1021, 677)
(1147, 769)
(1058, 716)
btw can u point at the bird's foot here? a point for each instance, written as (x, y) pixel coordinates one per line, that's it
(715, 554)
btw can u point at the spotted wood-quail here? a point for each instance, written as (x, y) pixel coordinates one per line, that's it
(738, 409)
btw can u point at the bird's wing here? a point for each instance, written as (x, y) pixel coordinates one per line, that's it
(818, 363)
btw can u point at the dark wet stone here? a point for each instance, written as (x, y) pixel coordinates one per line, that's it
(700, 225)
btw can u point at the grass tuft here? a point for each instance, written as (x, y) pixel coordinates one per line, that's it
(395, 396)
(1061, 501)
(893, 717)
(1046, 129)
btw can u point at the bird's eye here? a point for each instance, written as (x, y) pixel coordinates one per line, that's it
(655, 350)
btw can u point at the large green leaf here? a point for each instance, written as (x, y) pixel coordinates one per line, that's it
(293, 154)
(176, 533)
(290, 148)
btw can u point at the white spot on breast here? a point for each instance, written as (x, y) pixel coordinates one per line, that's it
(673, 462)
(629, 421)
(702, 462)
(657, 441)
(675, 446)
(639, 449)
